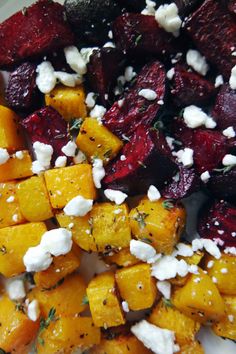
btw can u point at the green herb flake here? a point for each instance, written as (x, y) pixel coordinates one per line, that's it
(107, 154)
(140, 218)
(167, 302)
(146, 240)
(225, 169)
(44, 323)
(24, 13)
(137, 40)
(75, 124)
(85, 300)
(168, 204)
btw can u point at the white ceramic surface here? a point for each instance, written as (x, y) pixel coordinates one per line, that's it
(211, 343)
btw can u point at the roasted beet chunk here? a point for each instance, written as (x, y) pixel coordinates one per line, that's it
(190, 88)
(90, 19)
(21, 91)
(209, 149)
(185, 6)
(147, 162)
(181, 132)
(223, 185)
(135, 109)
(225, 108)
(184, 183)
(213, 30)
(37, 30)
(139, 34)
(47, 126)
(104, 66)
(217, 221)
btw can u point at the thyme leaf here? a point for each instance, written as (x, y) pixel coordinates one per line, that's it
(168, 204)
(75, 124)
(167, 302)
(140, 218)
(137, 39)
(44, 323)
(85, 300)
(224, 169)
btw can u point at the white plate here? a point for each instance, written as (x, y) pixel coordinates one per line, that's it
(211, 343)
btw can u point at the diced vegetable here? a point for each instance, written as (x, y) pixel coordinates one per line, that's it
(120, 345)
(103, 301)
(227, 326)
(15, 168)
(136, 286)
(122, 258)
(191, 348)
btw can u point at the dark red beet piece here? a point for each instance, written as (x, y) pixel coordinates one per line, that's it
(223, 185)
(218, 221)
(181, 132)
(187, 184)
(209, 149)
(147, 162)
(185, 6)
(213, 30)
(225, 108)
(40, 29)
(47, 126)
(21, 91)
(191, 88)
(137, 110)
(104, 66)
(140, 34)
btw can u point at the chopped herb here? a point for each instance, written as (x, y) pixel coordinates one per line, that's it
(224, 169)
(85, 300)
(167, 302)
(137, 40)
(75, 124)
(3, 249)
(19, 307)
(90, 222)
(107, 154)
(146, 240)
(61, 281)
(44, 323)
(24, 11)
(142, 164)
(168, 204)
(140, 218)
(158, 125)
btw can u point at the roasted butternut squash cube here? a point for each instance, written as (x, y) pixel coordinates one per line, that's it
(136, 286)
(65, 183)
(200, 299)
(191, 348)
(157, 223)
(68, 101)
(165, 316)
(95, 139)
(10, 213)
(224, 272)
(103, 301)
(120, 345)
(16, 330)
(14, 242)
(11, 137)
(66, 298)
(16, 168)
(68, 333)
(227, 326)
(34, 200)
(59, 269)
(81, 228)
(122, 258)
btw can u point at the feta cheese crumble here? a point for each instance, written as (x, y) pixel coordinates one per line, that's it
(194, 117)
(19, 155)
(57, 241)
(115, 196)
(168, 267)
(197, 61)
(205, 176)
(149, 94)
(143, 251)
(61, 161)
(80, 157)
(45, 79)
(129, 73)
(125, 306)
(70, 80)
(229, 132)
(78, 206)
(37, 259)
(15, 289)
(75, 60)
(170, 74)
(153, 194)
(4, 156)
(90, 100)
(160, 341)
(229, 160)
(209, 245)
(167, 16)
(232, 80)
(219, 81)
(165, 288)
(10, 199)
(149, 9)
(33, 310)
(98, 112)
(43, 153)
(185, 157)
(98, 172)
(69, 149)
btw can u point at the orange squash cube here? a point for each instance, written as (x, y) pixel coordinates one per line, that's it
(10, 213)
(34, 200)
(123, 258)
(14, 242)
(227, 326)
(16, 168)
(11, 137)
(65, 183)
(120, 345)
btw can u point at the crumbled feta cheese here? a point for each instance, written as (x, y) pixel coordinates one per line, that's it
(78, 206)
(120, 102)
(61, 161)
(165, 288)
(160, 341)
(4, 156)
(10, 199)
(15, 289)
(160, 102)
(170, 141)
(75, 60)
(231, 318)
(143, 251)
(149, 9)
(110, 34)
(210, 123)
(232, 80)
(229, 160)
(57, 241)
(219, 81)
(69, 149)
(150, 95)
(117, 211)
(87, 52)
(168, 18)
(115, 196)
(129, 73)
(194, 117)
(224, 270)
(185, 157)
(205, 176)
(153, 194)
(125, 306)
(43, 153)
(197, 61)
(109, 45)
(170, 74)
(98, 112)
(90, 100)
(229, 132)
(122, 158)
(230, 250)
(98, 172)
(168, 267)
(210, 264)
(37, 259)
(80, 157)
(15, 217)
(46, 79)
(37, 168)
(19, 155)
(214, 279)
(184, 250)
(33, 310)
(70, 80)
(209, 245)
